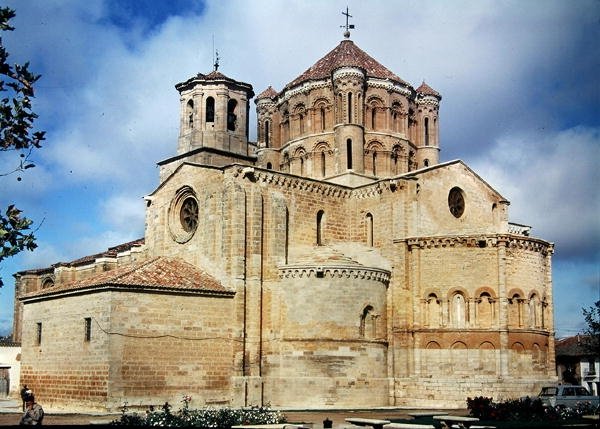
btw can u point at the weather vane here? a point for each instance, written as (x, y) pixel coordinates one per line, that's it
(215, 55)
(348, 27)
(216, 64)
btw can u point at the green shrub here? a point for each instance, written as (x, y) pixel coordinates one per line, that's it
(210, 417)
(525, 409)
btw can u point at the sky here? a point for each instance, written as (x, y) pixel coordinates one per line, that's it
(519, 81)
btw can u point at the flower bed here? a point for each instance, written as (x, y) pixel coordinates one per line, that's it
(209, 417)
(528, 410)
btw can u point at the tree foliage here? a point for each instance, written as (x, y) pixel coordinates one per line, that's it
(592, 332)
(16, 134)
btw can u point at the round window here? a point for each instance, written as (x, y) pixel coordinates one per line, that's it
(188, 214)
(184, 215)
(456, 202)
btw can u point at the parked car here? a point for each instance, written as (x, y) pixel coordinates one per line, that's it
(567, 394)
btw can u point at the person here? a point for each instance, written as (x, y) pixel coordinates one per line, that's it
(23, 394)
(34, 413)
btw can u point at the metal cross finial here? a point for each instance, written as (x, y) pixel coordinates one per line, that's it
(348, 27)
(216, 60)
(215, 55)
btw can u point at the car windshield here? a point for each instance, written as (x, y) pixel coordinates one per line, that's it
(549, 391)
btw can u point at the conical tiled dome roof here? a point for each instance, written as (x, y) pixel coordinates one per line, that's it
(427, 90)
(267, 93)
(346, 54)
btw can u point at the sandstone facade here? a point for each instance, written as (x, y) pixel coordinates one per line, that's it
(334, 262)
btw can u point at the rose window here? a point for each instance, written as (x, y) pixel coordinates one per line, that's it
(189, 214)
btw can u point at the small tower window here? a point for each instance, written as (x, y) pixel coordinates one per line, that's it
(190, 113)
(231, 116)
(349, 107)
(322, 119)
(301, 123)
(349, 153)
(269, 166)
(323, 164)
(426, 126)
(267, 133)
(210, 109)
(426, 163)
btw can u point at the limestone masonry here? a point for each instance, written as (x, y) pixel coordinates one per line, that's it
(335, 262)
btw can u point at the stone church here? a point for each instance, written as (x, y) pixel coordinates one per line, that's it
(334, 262)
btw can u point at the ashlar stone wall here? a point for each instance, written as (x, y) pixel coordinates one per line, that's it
(143, 348)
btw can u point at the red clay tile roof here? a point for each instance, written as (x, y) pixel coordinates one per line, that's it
(346, 54)
(215, 75)
(111, 252)
(267, 93)
(427, 90)
(572, 346)
(160, 273)
(212, 76)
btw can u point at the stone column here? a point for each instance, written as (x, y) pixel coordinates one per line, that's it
(253, 292)
(503, 306)
(551, 356)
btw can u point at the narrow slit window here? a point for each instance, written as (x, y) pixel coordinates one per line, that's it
(349, 107)
(39, 333)
(320, 215)
(266, 133)
(373, 117)
(374, 163)
(369, 229)
(349, 153)
(190, 113)
(426, 131)
(87, 326)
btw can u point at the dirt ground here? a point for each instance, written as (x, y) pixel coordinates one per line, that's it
(316, 417)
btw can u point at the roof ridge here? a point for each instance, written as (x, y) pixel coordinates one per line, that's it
(136, 267)
(345, 54)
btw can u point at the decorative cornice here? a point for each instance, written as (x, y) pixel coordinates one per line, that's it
(345, 72)
(334, 271)
(427, 100)
(304, 88)
(286, 180)
(389, 86)
(336, 340)
(300, 183)
(482, 241)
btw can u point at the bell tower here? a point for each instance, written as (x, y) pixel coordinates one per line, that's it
(214, 112)
(427, 135)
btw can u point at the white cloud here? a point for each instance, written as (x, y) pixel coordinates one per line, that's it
(552, 181)
(124, 213)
